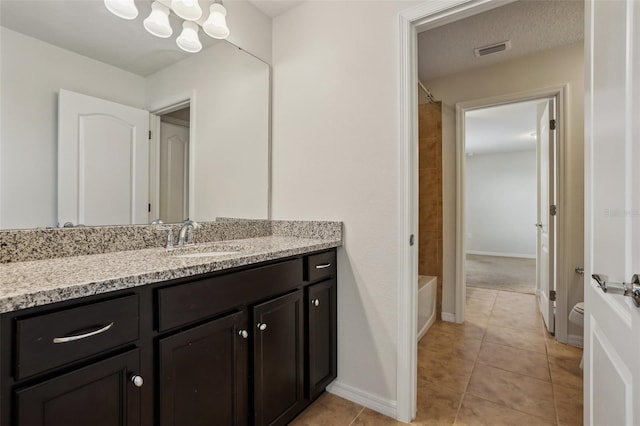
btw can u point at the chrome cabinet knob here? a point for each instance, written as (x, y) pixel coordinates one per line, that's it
(138, 381)
(315, 302)
(262, 326)
(243, 333)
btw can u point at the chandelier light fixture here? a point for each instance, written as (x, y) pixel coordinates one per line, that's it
(157, 23)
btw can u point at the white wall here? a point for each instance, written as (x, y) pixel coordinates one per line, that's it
(31, 74)
(501, 204)
(230, 112)
(335, 157)
(545, 69)
(250, 28)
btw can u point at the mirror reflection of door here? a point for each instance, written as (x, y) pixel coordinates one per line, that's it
(174, 166)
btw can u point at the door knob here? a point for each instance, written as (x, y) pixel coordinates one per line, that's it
(262, 326)
(243, 333)
(631, 289)
(315, 302)
(137, 380)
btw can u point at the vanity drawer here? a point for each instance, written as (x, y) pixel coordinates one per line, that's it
(321, 265)
(54, 339)
(192, 301)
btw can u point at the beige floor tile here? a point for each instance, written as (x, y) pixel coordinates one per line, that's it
(479, 305)
(481, 293)
(529, 363)
(450, 345)
(568, 405)
(530, 340)
(566, 371)
(371, 418)
(520, 298)
(437, 405)
(328, 410)
(516, 391)
(477, 411)
(441, 370)
(516, 318)
(467, 330)
(560, 350)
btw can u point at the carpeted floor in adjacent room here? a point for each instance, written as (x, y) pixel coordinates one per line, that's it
(501, 273)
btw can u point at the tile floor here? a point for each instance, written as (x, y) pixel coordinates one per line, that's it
(499, 368)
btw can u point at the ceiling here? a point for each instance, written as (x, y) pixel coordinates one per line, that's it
(531, 25)
(504, 128)
(89, 29)
(273, 8)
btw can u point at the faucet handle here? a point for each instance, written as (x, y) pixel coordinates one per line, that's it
(169, 235)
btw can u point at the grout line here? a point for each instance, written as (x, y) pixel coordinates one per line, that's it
(356, 417)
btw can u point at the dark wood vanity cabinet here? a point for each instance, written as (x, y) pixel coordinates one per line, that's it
(249, 346)
(278, 359)
(102, 393)
(203, 374)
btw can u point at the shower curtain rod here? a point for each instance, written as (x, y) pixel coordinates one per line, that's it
(428, 95)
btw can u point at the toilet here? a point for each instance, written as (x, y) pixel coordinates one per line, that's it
(576, 316)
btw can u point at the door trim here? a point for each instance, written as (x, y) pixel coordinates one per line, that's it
(418, 18)
(159, 108)
(561, 95)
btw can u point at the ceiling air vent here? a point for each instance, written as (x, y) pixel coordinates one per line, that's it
(492, 48)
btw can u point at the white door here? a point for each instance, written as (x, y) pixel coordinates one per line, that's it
(545, 272)
(103, 162)
(612, 217)
(174, 172)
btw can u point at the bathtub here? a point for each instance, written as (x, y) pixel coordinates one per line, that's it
(427, 286)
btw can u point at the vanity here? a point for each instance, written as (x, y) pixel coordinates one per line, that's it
(180, 337)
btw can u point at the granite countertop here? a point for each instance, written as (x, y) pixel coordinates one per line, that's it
(35, 283)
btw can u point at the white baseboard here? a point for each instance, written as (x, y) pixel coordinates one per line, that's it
(448, 317)
(576, 340)
(374, 402)
(495, 253)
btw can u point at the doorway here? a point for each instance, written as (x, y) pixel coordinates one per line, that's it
(509, 193)
(170, 159)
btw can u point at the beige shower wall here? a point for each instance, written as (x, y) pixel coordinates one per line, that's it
(430, 194)
(550, 68)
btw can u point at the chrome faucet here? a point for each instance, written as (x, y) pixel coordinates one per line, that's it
(186, 231)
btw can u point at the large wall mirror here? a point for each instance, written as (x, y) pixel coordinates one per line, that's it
(75, 79)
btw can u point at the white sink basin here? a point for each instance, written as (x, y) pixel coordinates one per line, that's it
(208, 254)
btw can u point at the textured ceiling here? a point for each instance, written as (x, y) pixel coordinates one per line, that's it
(531, 25)
(504, 128)
(273, 8)
(88, 28)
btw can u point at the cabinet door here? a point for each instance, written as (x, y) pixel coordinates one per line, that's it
(278, 359)
(203, 374)
(322, 340)
(101, 394)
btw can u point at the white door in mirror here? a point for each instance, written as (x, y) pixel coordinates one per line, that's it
(103, 162)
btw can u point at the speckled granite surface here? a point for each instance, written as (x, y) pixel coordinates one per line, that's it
(34, 283)
(39, 244)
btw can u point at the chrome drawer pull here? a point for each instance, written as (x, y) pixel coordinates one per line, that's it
(326, 265)
(67, 339)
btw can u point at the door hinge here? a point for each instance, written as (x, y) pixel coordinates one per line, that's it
(149, 134)
(552, 124)
(552, 295)
(149, 207)
(553, 210)
(411, 240)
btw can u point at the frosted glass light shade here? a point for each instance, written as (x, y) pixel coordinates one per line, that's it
(187, 9)
(216, 24)
(158, 21)
(125, 9)
(188, 40)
